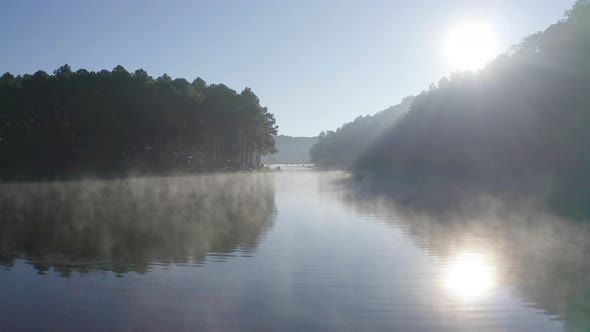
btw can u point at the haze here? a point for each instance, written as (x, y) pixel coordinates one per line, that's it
(328, 61)
(295, 166)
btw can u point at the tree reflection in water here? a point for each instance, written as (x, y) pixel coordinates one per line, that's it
(488, 241)
(125, 225)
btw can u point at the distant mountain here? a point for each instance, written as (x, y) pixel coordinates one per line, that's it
(292, 150)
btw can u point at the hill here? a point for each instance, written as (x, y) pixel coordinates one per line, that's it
(291, 150)
(341, 148)
(522, 122)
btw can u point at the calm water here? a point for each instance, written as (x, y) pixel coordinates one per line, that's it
(296, 250)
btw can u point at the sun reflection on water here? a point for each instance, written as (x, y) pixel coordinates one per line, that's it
(470, 276)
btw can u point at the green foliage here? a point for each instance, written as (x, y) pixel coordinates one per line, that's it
(104, 122)
(344, 146)
(526, 114)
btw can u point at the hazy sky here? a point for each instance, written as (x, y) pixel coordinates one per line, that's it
(316, 64)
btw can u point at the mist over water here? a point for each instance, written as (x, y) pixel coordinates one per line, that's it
(124, 225)
(513, 240)
(292, 250)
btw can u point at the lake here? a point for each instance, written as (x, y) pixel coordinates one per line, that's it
(295, 250)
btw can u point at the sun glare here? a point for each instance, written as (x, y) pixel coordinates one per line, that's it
(470, 45)
(469, 277)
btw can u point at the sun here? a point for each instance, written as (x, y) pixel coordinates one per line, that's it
(469, 276)
(470, 45)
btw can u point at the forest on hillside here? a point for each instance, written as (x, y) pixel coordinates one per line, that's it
(525, 117)
(527, 112)
(108, 122)
(343, 147)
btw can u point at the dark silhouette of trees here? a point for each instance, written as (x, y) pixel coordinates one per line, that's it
(527, 114)
(522, 123)
(344, 146)
(111, 122)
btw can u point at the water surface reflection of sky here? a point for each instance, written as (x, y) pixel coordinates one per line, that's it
(316, 254)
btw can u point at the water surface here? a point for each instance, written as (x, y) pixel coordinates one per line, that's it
(295, 250)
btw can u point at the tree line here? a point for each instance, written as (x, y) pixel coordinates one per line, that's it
(527, 113)
(522, 120)
(78, 122)
(343, 147)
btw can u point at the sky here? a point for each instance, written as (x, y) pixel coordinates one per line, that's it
(315, 64)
